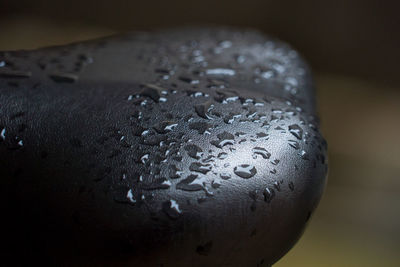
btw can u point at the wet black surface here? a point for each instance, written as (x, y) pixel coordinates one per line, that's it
(190, 146)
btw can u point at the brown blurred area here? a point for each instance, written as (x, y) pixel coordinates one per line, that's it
(353, 47)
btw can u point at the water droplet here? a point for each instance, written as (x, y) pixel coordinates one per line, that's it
(188, 80)
(217, 83)
(175, 206)
(277, 111)
(304, 155)
(262, 151)
(225, 138)
(174, 172)
(203, 109)
(153, 140)
(267, 74)
(240, 134)
(225, 176)
(261, 134)
(191, 183)
(294, 144)
(144, 158)
(222, 155)
(296, 130)
(201, 127)
(198, 167)
(144, 102)
(269, 194)
(145, 132)
(245, 171)
(130, 197)
(3, 134)
(159, 183)
(225, 44)
(220, 71)
(291, 81)
(277, 186)
(165, 127)
(171, 208)
(194, 151)
(153, 91)
(240, 59)
(209, 158)
(229, 119)
(275, 161)
(230, 99)
(215, 184)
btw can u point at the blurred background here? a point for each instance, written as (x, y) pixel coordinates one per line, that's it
(354, 50)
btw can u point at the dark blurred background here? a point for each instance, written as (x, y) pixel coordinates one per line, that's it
(353, 48)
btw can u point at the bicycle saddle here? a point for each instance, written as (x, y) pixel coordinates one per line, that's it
(184, 147)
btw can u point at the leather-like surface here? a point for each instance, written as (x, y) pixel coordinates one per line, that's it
(184, 147)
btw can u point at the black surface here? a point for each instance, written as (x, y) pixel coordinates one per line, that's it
(185, 147)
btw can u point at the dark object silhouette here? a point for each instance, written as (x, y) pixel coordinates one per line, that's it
(190, 147)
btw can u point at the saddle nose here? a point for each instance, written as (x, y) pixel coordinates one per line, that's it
(192, 146)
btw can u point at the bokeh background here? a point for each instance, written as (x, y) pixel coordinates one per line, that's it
(354, 50)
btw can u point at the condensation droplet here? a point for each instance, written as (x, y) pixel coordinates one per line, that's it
(277, 186)
(225, 138)
(304, 155)
(199, 167)
(269, 194)
(294, 144)
(171, 208)
(225, 176)
(201, 127)
(194, 151)
(296, 130)
(165, 127)
(153, 91)
(222, 155)
(3, 134)
(191, 183)
(203, 109)
(245, 171)
(130, 197)
(262, 151)
(220, 71)
(215, 184)
(144, 158)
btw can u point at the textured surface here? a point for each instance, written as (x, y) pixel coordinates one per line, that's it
(185, 146)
